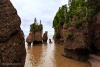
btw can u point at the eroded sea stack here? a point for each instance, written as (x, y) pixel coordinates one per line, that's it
(35, 35)
(12, 44)
(45, 36)
(30, 38)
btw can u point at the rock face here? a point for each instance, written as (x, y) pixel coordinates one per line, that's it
(79, 42)
(75, 43)
(34, 37)
(12, 45)
(95, 32)
(30, 38)
(45, 37)
(81, 31)
(38, 37)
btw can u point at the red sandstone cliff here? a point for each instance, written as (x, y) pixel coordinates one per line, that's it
(12, 44)
(79, 42)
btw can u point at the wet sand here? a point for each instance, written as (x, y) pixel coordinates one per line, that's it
(94, 60)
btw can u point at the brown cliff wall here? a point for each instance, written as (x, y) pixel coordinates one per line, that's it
(79, 42)
(76, 44)
(94, 28)
(12, 45)
(60, 38)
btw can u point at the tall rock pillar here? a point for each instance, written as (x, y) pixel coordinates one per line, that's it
(12, 44)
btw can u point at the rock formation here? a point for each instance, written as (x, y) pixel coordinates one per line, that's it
(38, 37)
(50, 41)
(30, 38)
(75, 43)
(12, 44)
(35, 34)
(58, 22)
(34, 37)
(79, 42)
(45, 37)
(81, 31)
(94, 29)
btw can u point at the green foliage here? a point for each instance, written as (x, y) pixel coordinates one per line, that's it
(80, 8)
(93, 6)
(68, 24)
(35, 26)
(77, 7)
(57, 34)
(59, 18)
(70, 36)
(32, 28)
(79, 23)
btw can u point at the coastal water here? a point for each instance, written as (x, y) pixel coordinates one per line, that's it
(49, 55)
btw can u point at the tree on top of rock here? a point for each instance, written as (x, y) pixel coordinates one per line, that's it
(35, 26)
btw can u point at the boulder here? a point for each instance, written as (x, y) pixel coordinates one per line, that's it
(45, 37)
(30, 38)
(50, 41)
(12, 43)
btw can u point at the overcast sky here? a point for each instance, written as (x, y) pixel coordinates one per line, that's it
(43, 10)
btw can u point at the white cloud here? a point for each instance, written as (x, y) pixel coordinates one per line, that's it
(43, 10)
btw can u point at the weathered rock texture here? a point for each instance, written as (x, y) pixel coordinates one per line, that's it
(30, 38)
(12, 47)
(45, 37)
(59, 39)
(76, 42)
(94, 29)
(38, 37)
(81, 31)
(79, 42)
(34, 37)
